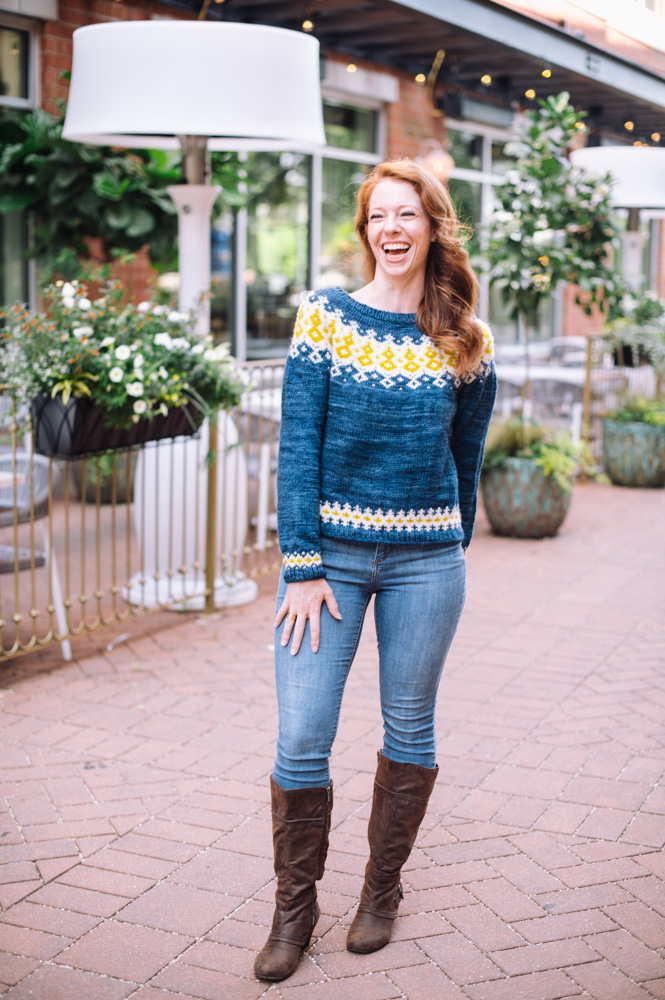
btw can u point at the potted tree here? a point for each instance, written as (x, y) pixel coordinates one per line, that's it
(552, 224)
(104, 374)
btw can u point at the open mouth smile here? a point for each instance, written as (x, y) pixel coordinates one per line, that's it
(396, 251)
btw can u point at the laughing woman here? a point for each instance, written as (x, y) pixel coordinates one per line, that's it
(387, 397)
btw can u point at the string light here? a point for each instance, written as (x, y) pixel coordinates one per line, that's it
(486, 80)
(546, 73)
(579, 125)
(530, 94)
(629, 126)
(307, 25)
(655, 136)
(351, 68)
(421, 78)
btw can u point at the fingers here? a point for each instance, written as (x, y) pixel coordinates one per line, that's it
(331, 604)
(315, 628)
(298, 633)
(286, 631)
(282, 611)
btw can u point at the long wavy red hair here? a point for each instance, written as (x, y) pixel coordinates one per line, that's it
(446, 311)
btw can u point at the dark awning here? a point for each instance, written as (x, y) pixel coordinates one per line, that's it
(479, 37)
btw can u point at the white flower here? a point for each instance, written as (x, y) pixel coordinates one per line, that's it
(159, 310)
(180, 344)
(82, 331)
(542, 237)
(116, 374)
(68, 302)
(122, 352)
(67, 290)
(85, 304)
(140, 406)
(107, 341)
(163, 372)
(138, 361)
(164, 340)
(135, 388)
(197, 349)
(163, 409)
(177, 317)
(143, 307)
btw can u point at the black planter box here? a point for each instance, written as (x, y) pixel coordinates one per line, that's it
(78, 428)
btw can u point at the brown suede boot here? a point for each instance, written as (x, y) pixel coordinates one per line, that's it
(300, 828)
(401, 794)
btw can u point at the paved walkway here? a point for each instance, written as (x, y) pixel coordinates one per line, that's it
(135, 823)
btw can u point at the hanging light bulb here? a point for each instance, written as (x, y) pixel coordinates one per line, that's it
(655, 136)
(351, 68)
(420, 78)
(629, 126)
(580, 125)
(530, 94)
(307, 25)
(547, 72)
(486, 80)
(433, 157)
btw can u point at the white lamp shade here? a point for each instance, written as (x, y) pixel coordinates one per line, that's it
(143, 83)
(638, 172)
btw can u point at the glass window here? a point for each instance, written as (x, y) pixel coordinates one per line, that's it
(221, 261)
(13, 63)
(341, 260)
(277, 248)
(13, 261)
(505, 329)
(350, 128)
(466, 149)
(467, 199)
(501, 163)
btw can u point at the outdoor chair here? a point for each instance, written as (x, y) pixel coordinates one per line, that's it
(15, 500)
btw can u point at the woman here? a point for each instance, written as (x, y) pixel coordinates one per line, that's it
(386, 401)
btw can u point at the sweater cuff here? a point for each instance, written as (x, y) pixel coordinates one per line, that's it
(300, 566)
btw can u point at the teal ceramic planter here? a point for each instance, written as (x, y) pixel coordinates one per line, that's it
(522, 502)
(634, 453)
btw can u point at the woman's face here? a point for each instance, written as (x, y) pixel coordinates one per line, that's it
(398, 229)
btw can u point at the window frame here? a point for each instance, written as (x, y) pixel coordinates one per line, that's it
(30, 28)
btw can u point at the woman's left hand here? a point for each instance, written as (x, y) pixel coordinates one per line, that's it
(303, 600)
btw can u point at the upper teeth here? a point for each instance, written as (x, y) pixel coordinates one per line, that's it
(395, 246)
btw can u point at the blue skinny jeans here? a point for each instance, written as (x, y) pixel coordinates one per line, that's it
(419, 595)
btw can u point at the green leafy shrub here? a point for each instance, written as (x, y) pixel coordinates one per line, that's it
(552, 450)
(639, 411)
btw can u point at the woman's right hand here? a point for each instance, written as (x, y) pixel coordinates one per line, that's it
(303, 600)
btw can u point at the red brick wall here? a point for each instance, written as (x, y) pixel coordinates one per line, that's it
(410, 120)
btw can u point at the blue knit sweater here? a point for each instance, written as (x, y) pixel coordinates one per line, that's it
(380, 440)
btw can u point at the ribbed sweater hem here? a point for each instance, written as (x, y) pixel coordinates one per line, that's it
(384, 537)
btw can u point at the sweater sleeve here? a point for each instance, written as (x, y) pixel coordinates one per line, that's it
(475, 402)
(304, 409)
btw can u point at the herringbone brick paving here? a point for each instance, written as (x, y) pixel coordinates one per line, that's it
(135, 823)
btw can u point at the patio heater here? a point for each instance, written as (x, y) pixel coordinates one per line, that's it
(638, 173)
(199, 86)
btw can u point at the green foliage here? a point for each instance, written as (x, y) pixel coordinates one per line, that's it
(132, 361)
(641, 326)
(77, 192)
(553, 223)
(637, 410)
(552, 450)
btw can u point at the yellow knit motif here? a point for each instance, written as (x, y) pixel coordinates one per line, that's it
(386, 361)
(306, 559)
(379, 520)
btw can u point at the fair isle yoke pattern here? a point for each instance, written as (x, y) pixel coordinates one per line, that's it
(403, 521)
(324, 332)
(381, 440)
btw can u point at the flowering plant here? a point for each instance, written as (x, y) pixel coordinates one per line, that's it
(132, 361)
(553, 222)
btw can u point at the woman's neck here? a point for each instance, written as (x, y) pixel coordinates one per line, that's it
(391, 297)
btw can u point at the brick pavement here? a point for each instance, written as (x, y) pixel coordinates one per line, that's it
(135, 820)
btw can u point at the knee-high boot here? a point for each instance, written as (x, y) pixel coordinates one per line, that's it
(401, 794)
(300, 829)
